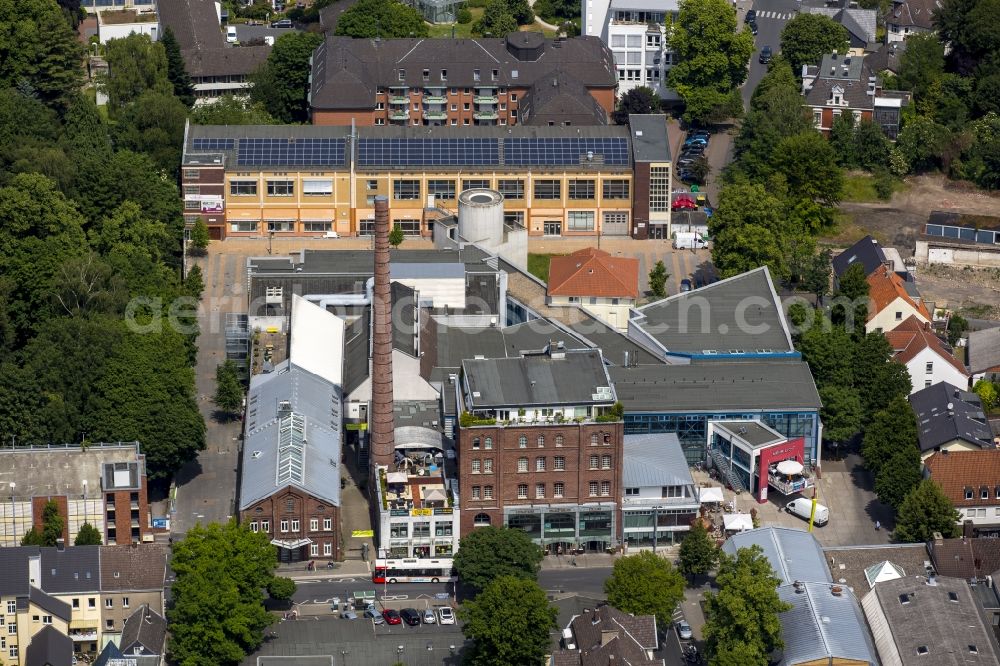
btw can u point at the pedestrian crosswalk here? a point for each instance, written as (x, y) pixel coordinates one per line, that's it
(777, 16)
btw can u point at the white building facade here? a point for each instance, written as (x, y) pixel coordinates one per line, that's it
(636, 32)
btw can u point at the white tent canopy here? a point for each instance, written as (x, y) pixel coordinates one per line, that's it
(396, 477)
(709, 495)
(790, 467)
(737, 522)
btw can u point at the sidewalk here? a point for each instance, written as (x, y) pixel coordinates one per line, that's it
(347, 569)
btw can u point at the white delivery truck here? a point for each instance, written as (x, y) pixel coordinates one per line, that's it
(231, 34)
(802, 507)
(689, 240)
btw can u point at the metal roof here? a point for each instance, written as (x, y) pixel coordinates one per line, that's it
(823, 625)
(316, 343)
(754, 433)
(298, 445)
(654, 460)
(795, 555)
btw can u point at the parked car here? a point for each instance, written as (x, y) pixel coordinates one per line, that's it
(446, 615)
(349, 615)
(684, 630)
(751, 16)
(753, 28)
(696, 141)
(374, 616)
(765, 55)
(802, 507)
(410, 616)
(231, 36)
(391, 616)
(281, 23)
(429, 616)
(684, 203)
(688, 176)
(686, 286)
(693, 151)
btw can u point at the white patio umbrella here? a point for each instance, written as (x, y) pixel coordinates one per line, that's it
(790, 467)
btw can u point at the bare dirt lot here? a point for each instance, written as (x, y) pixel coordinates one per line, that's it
(897, 223)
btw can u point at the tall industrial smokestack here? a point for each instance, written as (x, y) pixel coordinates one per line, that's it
(383, 441)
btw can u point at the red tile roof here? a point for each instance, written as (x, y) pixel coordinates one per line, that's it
(957, 470)
(913, 336)
(593, 272)
(884, 287)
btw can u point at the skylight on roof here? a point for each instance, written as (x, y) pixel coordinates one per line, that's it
(291, 448)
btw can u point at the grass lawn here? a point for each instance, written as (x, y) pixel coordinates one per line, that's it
(538, 265)
(860, 188)
(462, 30)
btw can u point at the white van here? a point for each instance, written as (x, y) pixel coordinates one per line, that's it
(802, 507)
(231, 34)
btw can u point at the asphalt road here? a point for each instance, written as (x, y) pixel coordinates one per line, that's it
(246, 33)
(772, 15)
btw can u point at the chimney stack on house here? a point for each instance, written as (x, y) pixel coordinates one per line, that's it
(382, 437)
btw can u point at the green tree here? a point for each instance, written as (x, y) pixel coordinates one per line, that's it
(816, 279)
(842, 139)
(230, 110)
(898, 476)
(639, 100)
(658, 280)
(698, 553)
(746, 229)
(878, 378)
(829, 351)
(228, 390)
(281, 588)
(987, 392)
(926, 510)
(922, 142)
(153, 124)
(33, 537)
(891, 430)
(396, 236)
(741, 619)
(491, 552)
(852, 297)
(176, 71)
(508, 623)
(809, 165)
(281, 84)
(521, 9)
(969, 27)
(380, 18)
(841, 413)
(194, 283)
(921, 64)
(645, 584)
(87, 536)
(218, 613)
(52, 527)
(199, 236)
(870, 146)
(135, 64)
(712, 56)
(957, 326)
(41, 54)
(808, 37)
(497, 20)
(127, 230)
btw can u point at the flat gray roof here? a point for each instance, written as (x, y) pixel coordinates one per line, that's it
(739, 315)
(646, 5)
(649, 136)
(654, 460)
(537, 380)
(61, 470)
(713, 386)
(754, 433)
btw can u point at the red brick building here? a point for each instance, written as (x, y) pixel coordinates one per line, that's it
(539, 450)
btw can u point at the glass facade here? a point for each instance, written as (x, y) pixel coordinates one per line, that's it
(589, 527)
(692, 429)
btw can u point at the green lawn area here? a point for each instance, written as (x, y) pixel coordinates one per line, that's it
(860, 188)
(538, 265)
(461, 29)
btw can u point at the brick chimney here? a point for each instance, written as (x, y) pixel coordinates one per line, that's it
(382, 440)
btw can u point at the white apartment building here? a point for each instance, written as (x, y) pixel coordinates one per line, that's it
(636, 32)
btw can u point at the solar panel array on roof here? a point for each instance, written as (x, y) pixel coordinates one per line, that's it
(290, 152)
(533, 151)
(427, 152)
(213, 144)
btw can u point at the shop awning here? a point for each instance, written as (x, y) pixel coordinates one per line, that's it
(281, 214)
(290, 544)
(709, 495)
(243, 213)
(396, 477)
(737, 522)
(317, 215)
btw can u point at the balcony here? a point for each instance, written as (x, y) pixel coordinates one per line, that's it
(789, 485)
(485, 115)
(399, 100)
(435, 99)
(399, 115)
(82, 635)
(435, 115)
(485, 99)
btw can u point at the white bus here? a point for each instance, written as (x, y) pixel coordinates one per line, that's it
(414, 571)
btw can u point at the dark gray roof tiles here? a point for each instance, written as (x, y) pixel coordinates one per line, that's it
(14, 570)
(984, 350)
(75, 569)
(946, 412)
(560, 98)
(49, 603)
(49, 647)
(866, 251)
(855, 93)
(138, 567)
(196, 26)
(145, 629)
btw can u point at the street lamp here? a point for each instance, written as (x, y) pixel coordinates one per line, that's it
(13, 511)
(270, 239)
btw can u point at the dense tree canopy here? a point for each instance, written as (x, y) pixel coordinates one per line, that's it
(136, 64)
(280, 85)
(641, 99)
(645, 584)
(490, 552)
(229, 110)
(40, 53)
(88, 536)
(808, 37)
(509, 622)
(926, 510)
(698, 553)
(497, 20)
(380, 18)
(176, 70)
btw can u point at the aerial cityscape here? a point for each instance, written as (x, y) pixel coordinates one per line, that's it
(499, 332)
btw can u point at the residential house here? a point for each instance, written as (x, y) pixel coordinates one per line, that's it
(131, 577)
(843, 84)
(891, 302)
(928, 359)
(983, 350)
(873, 256)
(909, 17)
(539, 448)
(959, 239)
(606, 636)
(660, 501)
(928, 620)
(604, 285)
(971, 480)
(144, 637)
(459, 82)
(859, 23)
(24, 608)
(949, 418)
(965, 557)
(73, 576)
(49, 647)
(886, 58)
(290, 482)
(121, 23)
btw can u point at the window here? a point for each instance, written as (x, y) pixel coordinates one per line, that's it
(402, 75)
(488, 466)
(192, 204)
(616, 189)
(558, 489)
(444, 74)
(426, 75)
(953, 597)
(316, 227)
(442, 528)
(559, 464)
(243, 188)
(818, 118)
(399, 530)
(540, 464)
(422, 529)
(475, 184)
(477, 466)
(659, 190)
(631, 492)
(652, 39)
(284, 526)
(191, 174)
(475, 75)
(265, 526)
(541, 439)
(314, 549)
(522, 491)
(327, 549)
(280, 188)
(580, 220)
(475, 443)
(581, 189)
(295, 525)
(539, 490)
(605, 488)
(511, 189)
(522, 464)
(522, 442)
(984, 493)
(605, 462)
(253, 526)
(593, 439)
(559, 440)
(46, 619)
(13, 651)
(672, 491)
(371, 185)
(973, 649)
(317, 188)
(313, 524)
(406, 190)
(92, 602)
(513, 96)
(109, 624)
(109, 603)
(480, 520)
(11, 607)
(930, 368)
(593, 488)
(76, 603)
(442, 189)
(475, 492)
(922, 649)
(594, 461)
(124, 602)
(548, 189)
(328, 524)
(488, 443)
(488, 492)
(466, 106)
